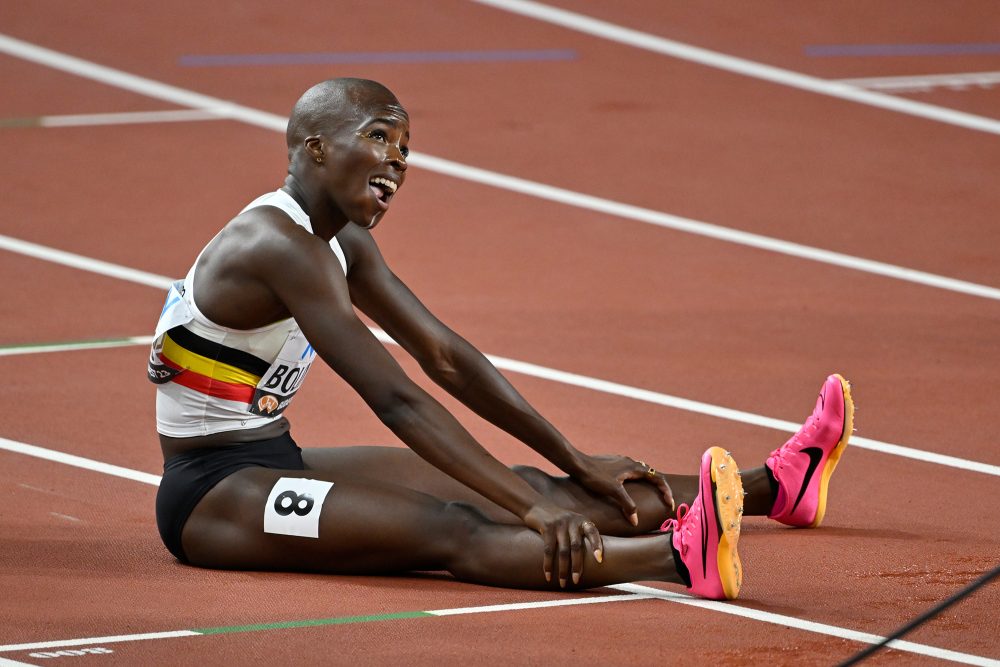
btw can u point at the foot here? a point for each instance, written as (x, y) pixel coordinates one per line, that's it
(802, 466)
(705, 534)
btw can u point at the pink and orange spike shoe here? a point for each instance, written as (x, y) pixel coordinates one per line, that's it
(706, 533)
(802, 466)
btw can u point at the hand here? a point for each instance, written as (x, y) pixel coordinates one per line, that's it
(605, 476)
(564, 534)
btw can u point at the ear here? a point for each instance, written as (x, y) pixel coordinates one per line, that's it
(314, 148)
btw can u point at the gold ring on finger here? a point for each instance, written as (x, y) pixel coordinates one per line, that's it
(651, 472)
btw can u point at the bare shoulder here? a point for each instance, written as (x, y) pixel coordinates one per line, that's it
(266, 232)
(259, 258)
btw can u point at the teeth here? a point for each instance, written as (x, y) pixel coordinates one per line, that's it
(386, 182)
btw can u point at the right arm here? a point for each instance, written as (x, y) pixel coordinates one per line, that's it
(306, 278)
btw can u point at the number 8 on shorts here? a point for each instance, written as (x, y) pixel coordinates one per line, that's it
(294, 506)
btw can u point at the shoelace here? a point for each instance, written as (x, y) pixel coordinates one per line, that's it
(780, 453)
(680, 524)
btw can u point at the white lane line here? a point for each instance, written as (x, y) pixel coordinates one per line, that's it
(130, 117)
(79, 461)
(719, 412)
(809, 626)
(15, 350)
(112, 639)
(632, 592)
(76, 261)
(926, 82)
(513, 365)
(606, 387)
(179, 96)
(717, 232)
(742, 66)
(545, 604)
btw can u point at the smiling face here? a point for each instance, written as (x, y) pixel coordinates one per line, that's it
(348, 139)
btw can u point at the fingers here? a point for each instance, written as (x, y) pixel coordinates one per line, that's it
(567, 559)
(579, 537)
(628, 505)
(657, 478)
(565, 550)
(668, 495)
(551, 545)
(593, 537)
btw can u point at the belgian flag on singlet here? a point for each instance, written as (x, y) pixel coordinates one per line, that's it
(211, 368)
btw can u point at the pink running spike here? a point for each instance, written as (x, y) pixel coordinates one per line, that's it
(802, 466)
(705, 535)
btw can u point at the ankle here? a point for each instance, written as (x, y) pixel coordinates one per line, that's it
(761, 491)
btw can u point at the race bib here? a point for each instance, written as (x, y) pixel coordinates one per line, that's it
(294, 506)
(278, 385)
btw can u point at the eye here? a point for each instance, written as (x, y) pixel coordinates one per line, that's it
(377, 134)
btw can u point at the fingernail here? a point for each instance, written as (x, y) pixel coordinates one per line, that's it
(634, 519)
(562, 582)
(576, 577)
(598, 555)
(548, 576)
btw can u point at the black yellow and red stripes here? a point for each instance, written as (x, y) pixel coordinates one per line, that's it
(211, 368)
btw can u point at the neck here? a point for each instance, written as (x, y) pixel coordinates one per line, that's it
(326, 218)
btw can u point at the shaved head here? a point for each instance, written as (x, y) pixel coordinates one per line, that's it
(329, 104)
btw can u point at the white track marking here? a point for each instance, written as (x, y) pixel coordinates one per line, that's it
(927, 82)
(4, 662)
(84, 641)
(513, 365)
(131, 117)
(271, 121)
(729, 414)
(545, 604)
(72, 347)
(698, 228)
(808, 626)
(612, 388)
(79, 461)
(631, 592)
(84, 263)
(179, 96)
(742, 66)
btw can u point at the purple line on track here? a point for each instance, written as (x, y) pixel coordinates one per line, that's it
(972, 48)
(375, 57)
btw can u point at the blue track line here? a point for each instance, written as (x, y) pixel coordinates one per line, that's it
(376, 57)
(971, 48)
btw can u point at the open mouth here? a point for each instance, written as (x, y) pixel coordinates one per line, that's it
(383, 189)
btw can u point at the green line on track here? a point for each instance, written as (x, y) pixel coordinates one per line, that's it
(282, 625)
(21, 122)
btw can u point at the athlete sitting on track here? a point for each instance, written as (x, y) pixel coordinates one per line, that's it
(278, 286)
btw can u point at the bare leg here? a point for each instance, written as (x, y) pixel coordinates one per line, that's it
(368, 528)
(397, 465)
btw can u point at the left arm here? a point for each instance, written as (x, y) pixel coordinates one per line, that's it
(465, 373)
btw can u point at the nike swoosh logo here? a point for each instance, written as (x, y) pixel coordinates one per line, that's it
(704, 533)
(815, 455)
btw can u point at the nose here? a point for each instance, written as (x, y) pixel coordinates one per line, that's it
(396, 158)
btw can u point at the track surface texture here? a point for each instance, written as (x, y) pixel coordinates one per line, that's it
(597, 290)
